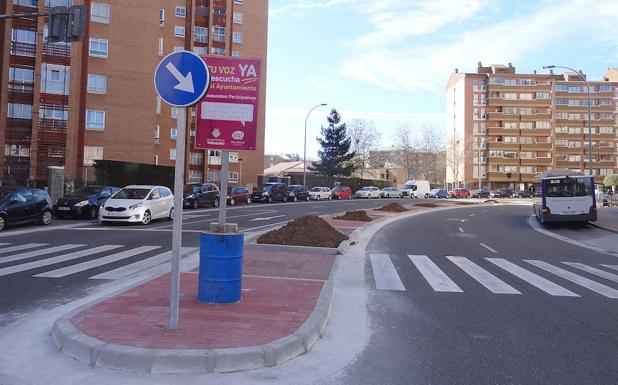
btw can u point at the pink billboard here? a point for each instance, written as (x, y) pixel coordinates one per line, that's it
(227, 116)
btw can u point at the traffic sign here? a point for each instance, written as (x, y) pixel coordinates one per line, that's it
(182, 78)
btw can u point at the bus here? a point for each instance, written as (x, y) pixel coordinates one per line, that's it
(566, 196)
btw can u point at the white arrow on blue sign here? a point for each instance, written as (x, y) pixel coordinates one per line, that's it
(182, 78)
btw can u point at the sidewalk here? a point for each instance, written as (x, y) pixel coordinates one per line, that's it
(285, 303)
(607, 219)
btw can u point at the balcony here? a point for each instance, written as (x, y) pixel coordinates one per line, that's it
(527, 177)
(502, 131)
(53, 125)
(536, 132)
(493, 101)
(535, 117)
(568, 164)
(23, 49)
(502, 116)
(536, 147)
(536, 162)
(503, 161)
(21, 87)
(496, 176)
(502, 146)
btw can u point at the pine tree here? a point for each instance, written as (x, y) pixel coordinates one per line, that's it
(334, 155)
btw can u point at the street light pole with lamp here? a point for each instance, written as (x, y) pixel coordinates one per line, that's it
(580, 73)
(305, 145)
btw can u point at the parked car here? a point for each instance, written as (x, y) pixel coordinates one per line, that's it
(507, 192)
(368, 192)
(200, 194)
(459, 193)
(270, 192)
(341, 192)
(238, 194)
(319, 193)
(437, 193)
(481, 193)
(298, 192)
(390, 192)
(522, 194)
(84, 202)
(498, 194)
(21, 205)
(610, 200)
(138, 204)
(415, 188)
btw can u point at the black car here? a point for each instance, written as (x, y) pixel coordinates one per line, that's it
(271, 192)
(201, 194)
(523, 194)
(84, 202)
(507, 192)
(20, 205)
(482, 193)
(298, 192)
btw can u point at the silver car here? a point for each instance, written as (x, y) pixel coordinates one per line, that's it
(368, 192)
(390, 192)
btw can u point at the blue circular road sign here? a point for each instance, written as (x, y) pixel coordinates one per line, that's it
(182, 78)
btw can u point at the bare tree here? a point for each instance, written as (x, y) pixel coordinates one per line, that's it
(403, 138)
(364, 136)
(457, 152)
(431, 161)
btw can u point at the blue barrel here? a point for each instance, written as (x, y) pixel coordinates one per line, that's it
(220, 267)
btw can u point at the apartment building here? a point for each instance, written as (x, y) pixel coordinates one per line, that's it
(68, 104)
(506, 127)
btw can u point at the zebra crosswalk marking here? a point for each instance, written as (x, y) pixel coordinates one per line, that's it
(62, 272)
(593, 270)
(142, 265)
(4, 244)
(38, 253)
(615, 267)
(491, 282)
(54, 260)
(436, 278)
(533, 279)
(21, 247)
(384, 273)
(577, 279)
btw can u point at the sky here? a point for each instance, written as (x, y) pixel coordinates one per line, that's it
(388, 61)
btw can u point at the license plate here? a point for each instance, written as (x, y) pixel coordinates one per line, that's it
(64, 208)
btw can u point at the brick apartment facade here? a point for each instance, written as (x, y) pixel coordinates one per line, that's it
(69, 104)
(505, 127)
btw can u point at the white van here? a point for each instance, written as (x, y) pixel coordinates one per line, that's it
(416, 189)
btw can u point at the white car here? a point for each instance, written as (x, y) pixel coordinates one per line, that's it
(368, 192)
(318, 193)
(390, 192)
(138, 204)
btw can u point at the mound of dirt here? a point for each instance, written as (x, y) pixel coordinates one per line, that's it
(305, 231)
(360, 215)
(426, 204)
(393, 207)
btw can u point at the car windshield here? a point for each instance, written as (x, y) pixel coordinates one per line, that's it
(366, 189)
(296, 188)
(568, 187)
(85, 191)
(267, 187)
(5, 193)
(131, 193)
(409, 186)
(316, 189)
(192, 188)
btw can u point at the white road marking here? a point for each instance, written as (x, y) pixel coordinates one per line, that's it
(266, 218)
(577, 279)
(615, 267)
(54, 260)
(384, 273)
(261, 227)
(462, 221)
(491, 282)
(533, 279)
(4, 244)
(593, 270)
(22, 247)
(37, 253)
(472, 215)
(436, 278)
(96, 262)
(488, 248)
(144, 264)
(461, 230)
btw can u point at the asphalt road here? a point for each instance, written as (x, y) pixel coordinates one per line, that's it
(43, 267)
(440, 320)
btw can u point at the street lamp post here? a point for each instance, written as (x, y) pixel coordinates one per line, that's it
(589, 112)
(305, 145)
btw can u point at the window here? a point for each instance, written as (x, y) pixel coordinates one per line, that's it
(161, 16)
(574, 158)
(181, 11)
(525, 125)
(172, 154)
(510, 125)
(543, 124)
(218, 51)
(219, 11)
(575, 130)
(525, 96)
(196, 158)
(218, 33)
(510, 82)
(173, 133)
(160, 47)
(200, 34)
(573, 144)
(157, 134)
(510, 96)
(233, 157)
(509, 110)
(526, 82)
(510, 139)
(98, 47)
(605, 88)
(179, 31)
(156, 160)
(55, 79)
(95, 119)
(562, 130)
(240, 2)
(54, 113)
(526, 111)
(201, 51)
(575, 89)
(21, 79)
(20, 111)
(237, 37)
(178, 48)
(232, 176)
(606, 130)
(526, 170)
(16, 150)
(195, 176)
(510, 155)
(561, 87)
(27, 3)
(526, 155)
(99, 12)
(23, 36)
(174, 112)
(543, 95)
(238, 17)
(562, 101)
(562, 143)
(97, 84)
(92, 153)
(525, 140)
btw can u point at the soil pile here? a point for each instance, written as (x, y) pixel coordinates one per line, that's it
(360, 215)
(305, 231)
(393, 207)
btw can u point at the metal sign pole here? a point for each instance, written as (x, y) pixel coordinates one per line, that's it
(225, 157)
(177, 226)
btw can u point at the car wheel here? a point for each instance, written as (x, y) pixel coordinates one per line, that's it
(248, 200)
(318, 198)
(330, 197)
(307, 198)
(46, 218)
(171, 215)
(93, 213)
(2, 223)
(270, 200)
(195, 204)
(232, 202)
(146, 218)
(295, 199)
(285, 199)
(216, 202)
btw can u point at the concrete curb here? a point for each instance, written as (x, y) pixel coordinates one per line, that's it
(603, 227)
(97, 353)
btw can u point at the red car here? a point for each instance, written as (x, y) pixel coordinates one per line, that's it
(459, 193)
(238, 194)
(341, 192)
